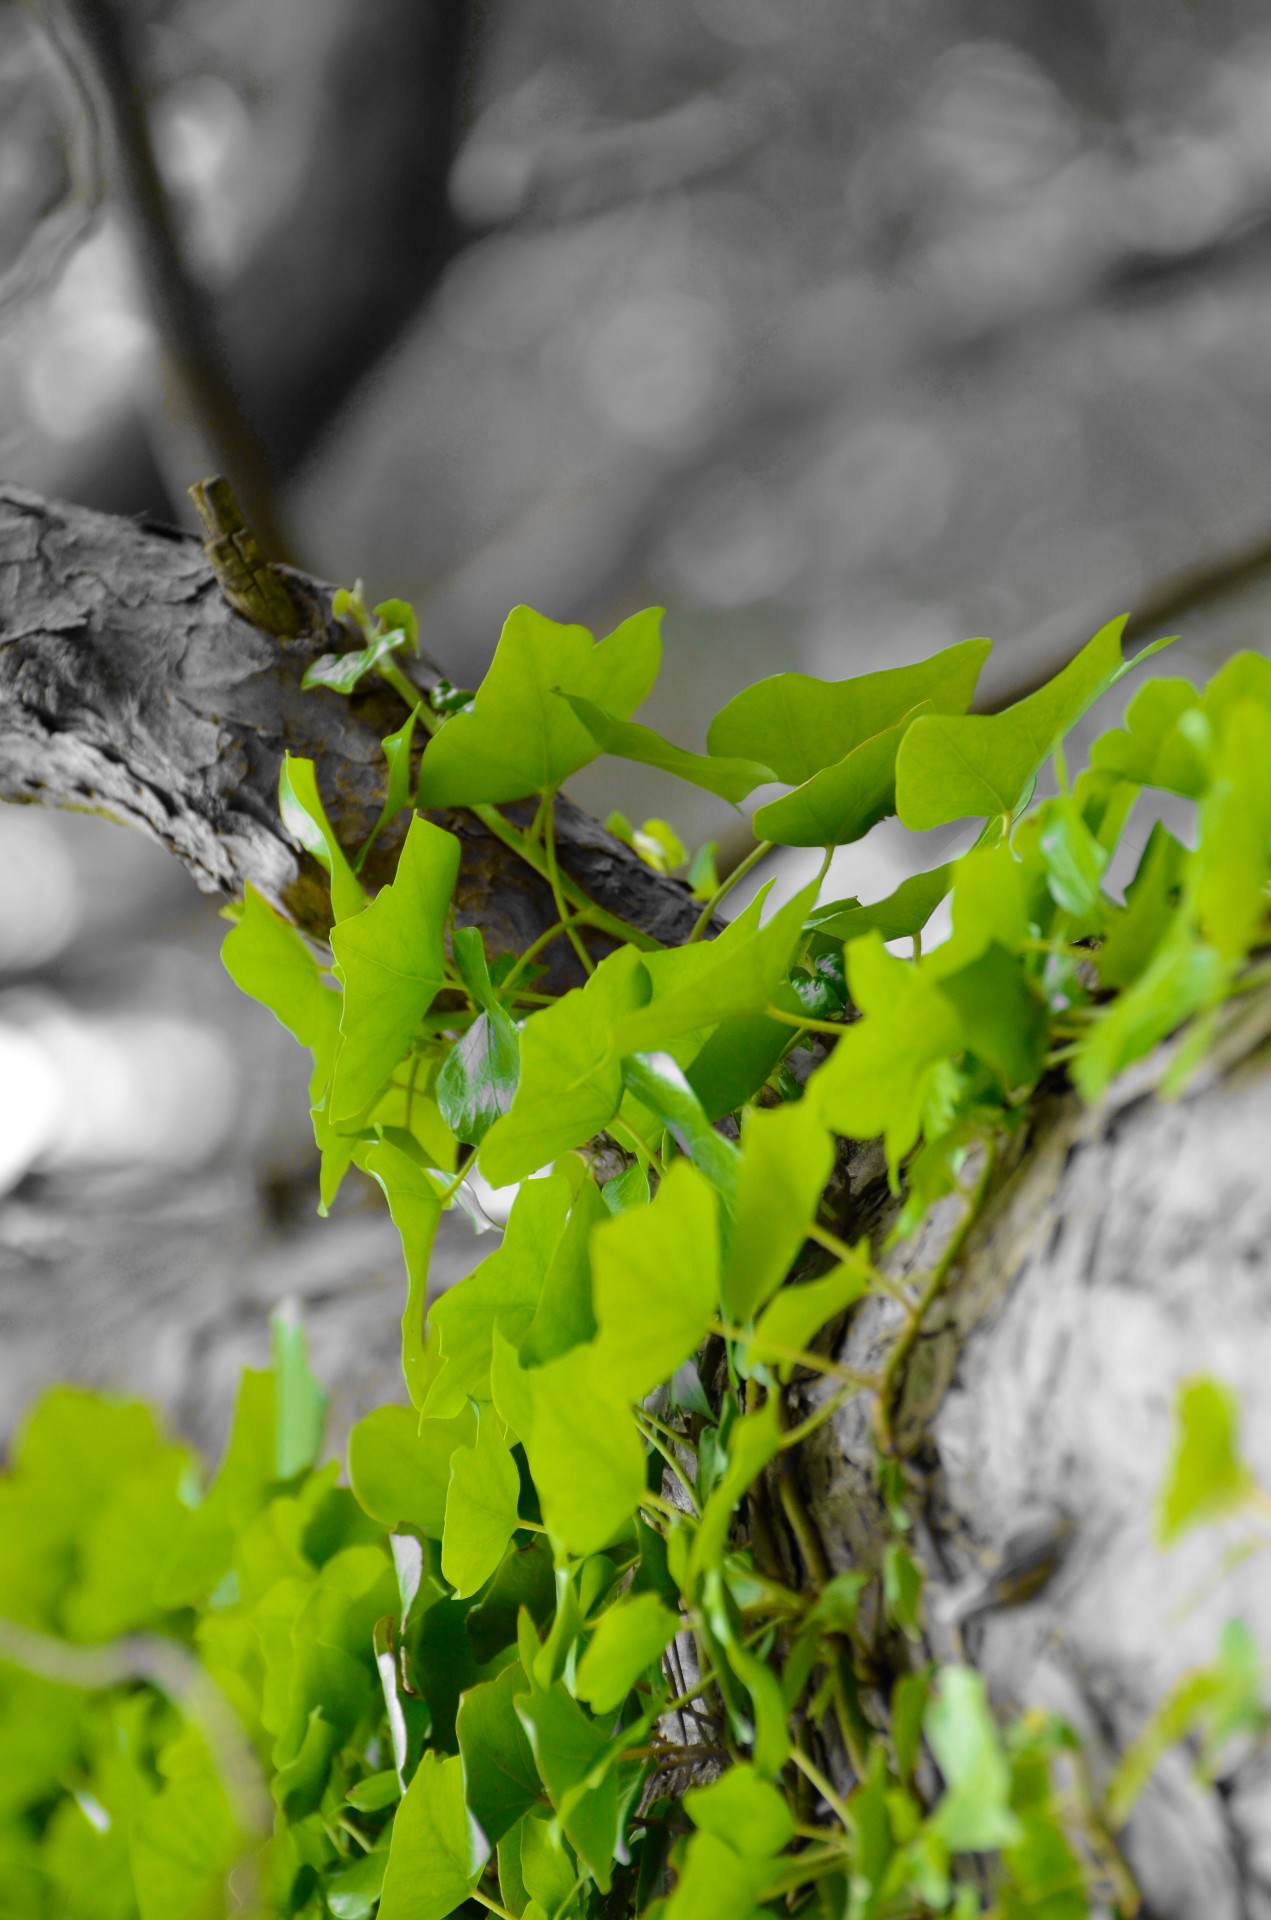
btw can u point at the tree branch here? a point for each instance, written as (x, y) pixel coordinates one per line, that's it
(128, 687)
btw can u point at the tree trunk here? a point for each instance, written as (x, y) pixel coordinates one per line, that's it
(1119, 1248)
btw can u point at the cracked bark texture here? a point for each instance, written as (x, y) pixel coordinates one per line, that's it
(1119, 1249)
(128, 687)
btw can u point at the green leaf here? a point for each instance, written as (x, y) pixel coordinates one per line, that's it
(629, 1639)
(715, 1883)
(1164, 741)
(305, 819)
(564, 1317)
(626, 1190)
(481, 1510)
(1151, 903)
(879, 1077)
(352, 1893)
(433, 1862)
(660, 1084)
(499, 1771)
(1075, 861)
(301, 1405)
(568, 1748)
(902, 1591)
(742, 1810)
(414, 1204)
(739, 1056)
(1003, 1023)
(795, 1314)
(900, 916)
(787, 1154)
(585, 1455)
(1230, 864)
(400, 1466)
(184, 1842)
(985, 764)
(503, 1293)
(840, 803)
(266, 958)
(546, 1866)
(341, 672)
(753, 1441)
(703, 876)
(1046, 1879)
(478, 1077)
(571, 1079)
(746, 964)
(975, 1814)
(1224, 1698)
(1207, 1478)
(1185, 977)
(519, 739)
(655, 1284)
(731, 779)
(796, 725)
(392, 963)
(397, 797)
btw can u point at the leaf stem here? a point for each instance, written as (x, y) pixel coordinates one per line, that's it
(813, 1774)
(492, 1906)
(725, 887)
(797, 1356)
(805, 1022)
(547, 814)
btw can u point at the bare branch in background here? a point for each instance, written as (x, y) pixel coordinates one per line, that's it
(69, 224)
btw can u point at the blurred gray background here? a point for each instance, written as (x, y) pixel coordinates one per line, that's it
(843, 332)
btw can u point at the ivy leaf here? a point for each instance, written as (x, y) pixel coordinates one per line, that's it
(1207, 1478)
(753, 1441)
(183, 1842)
(786, 1158)
(795, 1314)
(503, 1294)
(477, 1081)
(585, 1454)
(1003, 1022)
(400, 1467)
(656, 1284)
(564, 1316)
(626, 1190)
(629, 1639)
(841, 802)
(975, 1814)
(985, 764)
(902, 1590)
(898, 917)
(341, 672)
(717, 1883)
(747, 1813)
(414, 1204)
(659, 1083)
(392, 963)
(352, 1893)
(1230, 863)
(498, 1764)
(547, 1868)
(433, 1861)
(481, 1511)
(305, 819)
(266, 958)
(796, 725)
(1075, 861)
(1164, 740)
(1185, 977)
(746, 964)
(731, 779)
(300, 1404)
(568, 1748)
(518, 739)
(571, 1081)
(397, 751)
(740, 1055)
(1151, 903)
(879, 1077)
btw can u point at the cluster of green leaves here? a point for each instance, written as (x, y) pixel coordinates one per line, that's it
(455, 1672)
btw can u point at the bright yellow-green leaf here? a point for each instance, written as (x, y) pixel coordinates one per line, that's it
(501, 1778)
(629, 1639)
(1207, 1478)
(752, 1442)
(433, 1862)
(731, 779)
(1231, 862)
(949, 767)
(840, 803)
(481, 1510)
(571, 1079)
(392, 962)
(266, 957)
(975, 1814)
(655, 1284)
(304, 817)
(400, 1467)
(519, 738)
(414, 1202)
(744, 1811)
(585, 1454)
(795, 1314)
(787, 1154)
(796, 725)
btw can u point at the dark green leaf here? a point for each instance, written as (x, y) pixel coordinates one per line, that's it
(660, 1084)
(501, 1777)
(842, 802)
(432, 1863)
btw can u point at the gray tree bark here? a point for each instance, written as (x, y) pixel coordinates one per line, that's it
(1119, 1250)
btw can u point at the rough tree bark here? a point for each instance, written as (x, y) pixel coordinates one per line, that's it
(1120, 1248)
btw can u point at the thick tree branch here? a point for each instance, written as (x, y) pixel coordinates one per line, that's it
(130, 688)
